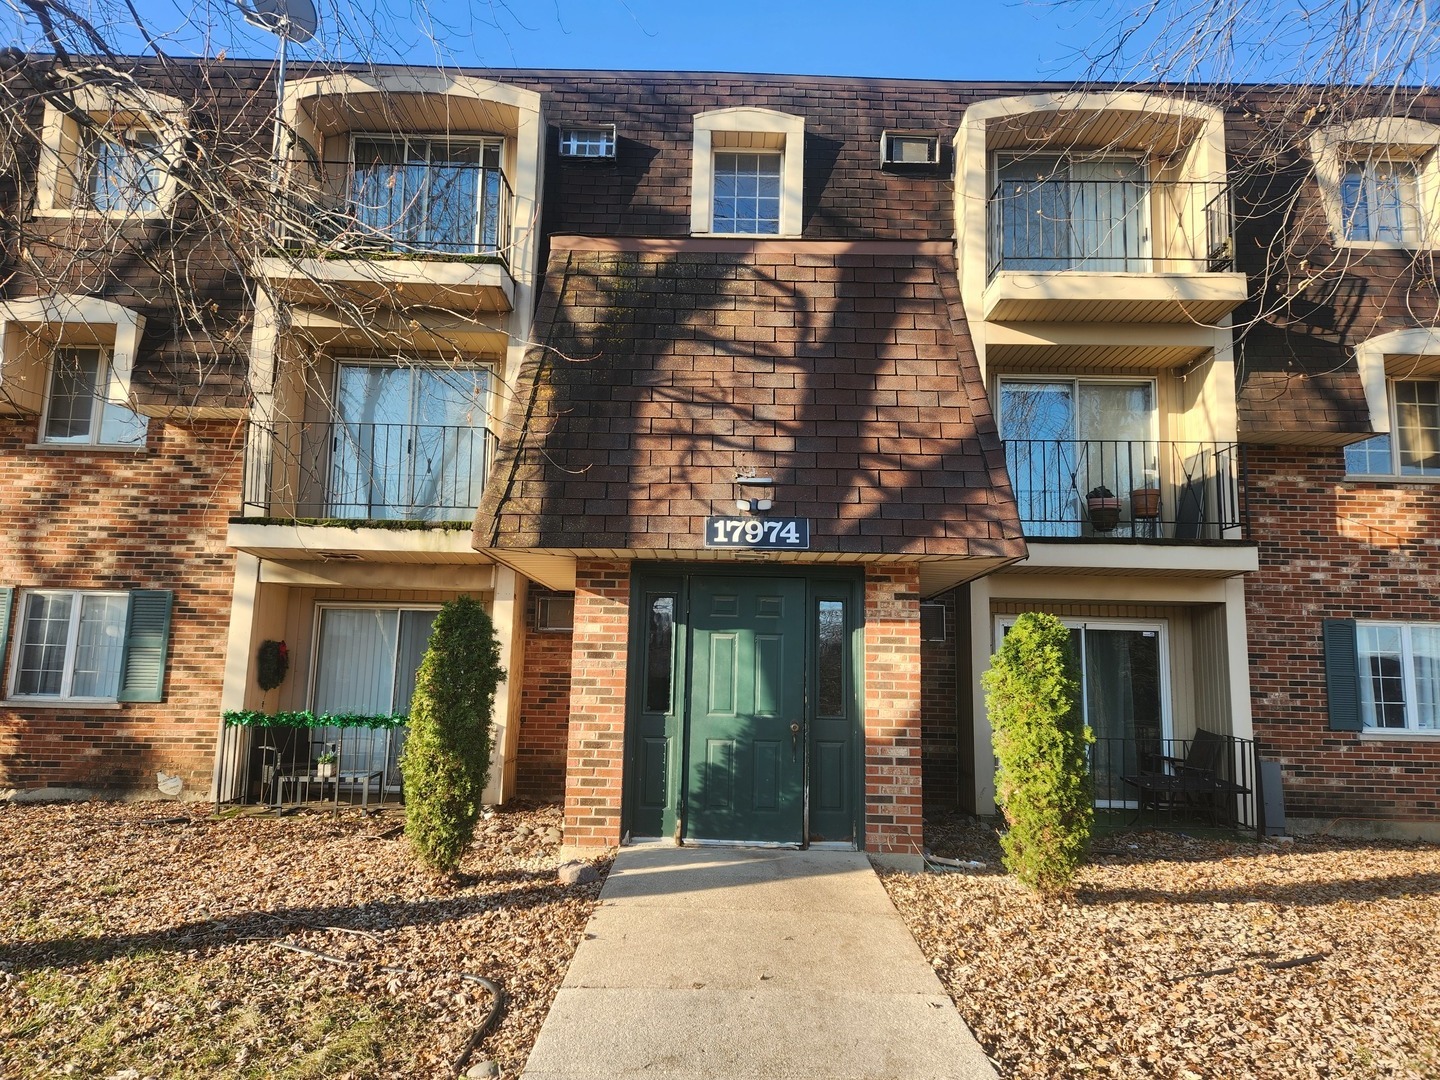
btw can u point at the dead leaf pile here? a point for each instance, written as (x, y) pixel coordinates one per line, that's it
(135, 945)
(1186, 958)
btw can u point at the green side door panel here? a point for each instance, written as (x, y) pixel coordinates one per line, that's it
(745, 758)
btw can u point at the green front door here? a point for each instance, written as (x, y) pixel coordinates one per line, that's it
(745, 760)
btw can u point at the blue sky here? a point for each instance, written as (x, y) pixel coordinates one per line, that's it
(946, 39)
(1384, 40)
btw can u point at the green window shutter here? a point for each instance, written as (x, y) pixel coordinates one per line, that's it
(7, 598)
(147, 639)
(1342, 675)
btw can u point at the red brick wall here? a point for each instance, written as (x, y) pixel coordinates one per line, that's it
(596, 757)
(893, 823)
(544, 707)
(73, 518)
(939, 704)
(1332, 549)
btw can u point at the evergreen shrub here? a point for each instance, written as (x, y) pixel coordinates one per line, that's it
(446, 759)
(1032, 693)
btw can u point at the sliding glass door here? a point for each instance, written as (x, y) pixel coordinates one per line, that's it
(1059, 213)
(1066, 437)
(1124, 672)
(409, 442)
(365, 663)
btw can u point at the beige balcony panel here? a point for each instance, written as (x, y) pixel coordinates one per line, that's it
(1085, 296)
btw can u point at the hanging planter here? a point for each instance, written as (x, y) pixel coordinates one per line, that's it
(1104, 508)
(272, 663)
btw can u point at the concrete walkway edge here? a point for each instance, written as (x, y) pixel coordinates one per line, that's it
(708, 963)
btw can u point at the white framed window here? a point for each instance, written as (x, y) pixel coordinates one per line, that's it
(1412, 446)
(1399, 676)
(112, 153)
(588, 142)
(747, 193)
(748, 173)
(1379, 179)
(77, 409)
(408, 441)
(88, 645)
(1380, 201)
(124, 171)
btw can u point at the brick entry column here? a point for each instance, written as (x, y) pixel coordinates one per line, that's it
(595, 758)
(893, 822)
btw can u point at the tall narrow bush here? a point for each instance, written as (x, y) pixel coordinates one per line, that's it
(1032, 692)
(446, 759)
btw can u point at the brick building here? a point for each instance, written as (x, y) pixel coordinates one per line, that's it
(752, 407)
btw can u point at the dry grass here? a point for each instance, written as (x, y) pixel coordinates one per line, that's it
(1166, 962)
(136, 948)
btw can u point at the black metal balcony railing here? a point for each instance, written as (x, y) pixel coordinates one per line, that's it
(389, 472)
(455, 209)
(1152, 490)
(1129, 779)
(278, 764)
(1112, 226)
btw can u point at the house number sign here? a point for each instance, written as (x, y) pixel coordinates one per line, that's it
(784, 534)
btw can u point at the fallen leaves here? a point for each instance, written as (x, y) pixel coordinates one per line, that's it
(1187, 958)
(137, 947)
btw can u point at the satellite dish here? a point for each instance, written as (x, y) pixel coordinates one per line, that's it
(292, 20)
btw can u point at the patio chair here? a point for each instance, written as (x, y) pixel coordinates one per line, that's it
(1198, 781)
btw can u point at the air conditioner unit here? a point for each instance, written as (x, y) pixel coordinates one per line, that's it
(596, 142)
(909, 148)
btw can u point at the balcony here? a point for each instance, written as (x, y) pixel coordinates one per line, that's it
(339, 493)
(441, 230)
(1114, 250)
(341, 470)
(1126, 490)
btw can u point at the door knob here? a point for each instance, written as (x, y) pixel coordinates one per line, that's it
(794, 739)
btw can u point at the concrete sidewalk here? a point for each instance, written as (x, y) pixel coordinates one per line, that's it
(734, 963)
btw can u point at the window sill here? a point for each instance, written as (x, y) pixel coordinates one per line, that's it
(747, 235)
(1384, 245)
(84, 448)
(105, 215)
(61, 704)
(1399, 736)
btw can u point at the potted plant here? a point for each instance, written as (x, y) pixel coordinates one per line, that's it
(1145, 499)
(325, 764)
(1104, 508)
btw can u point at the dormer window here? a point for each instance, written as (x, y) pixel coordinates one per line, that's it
(124, 171)
(1379, 181)
(112, 151)
(747, 193)
(1380, 201)
(748, 174)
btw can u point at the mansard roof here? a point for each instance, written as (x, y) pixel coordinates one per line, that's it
(664, 370)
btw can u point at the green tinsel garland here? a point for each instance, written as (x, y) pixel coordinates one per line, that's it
(307, 719)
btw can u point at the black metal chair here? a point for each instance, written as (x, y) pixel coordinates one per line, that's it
(1200, 781)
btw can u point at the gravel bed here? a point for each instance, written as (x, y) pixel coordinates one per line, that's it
(1189, 958)
(145, 940)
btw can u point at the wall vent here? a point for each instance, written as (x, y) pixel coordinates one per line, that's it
(596, 142)
(910, 148)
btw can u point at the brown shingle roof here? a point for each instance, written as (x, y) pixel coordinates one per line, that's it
(662, 370)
